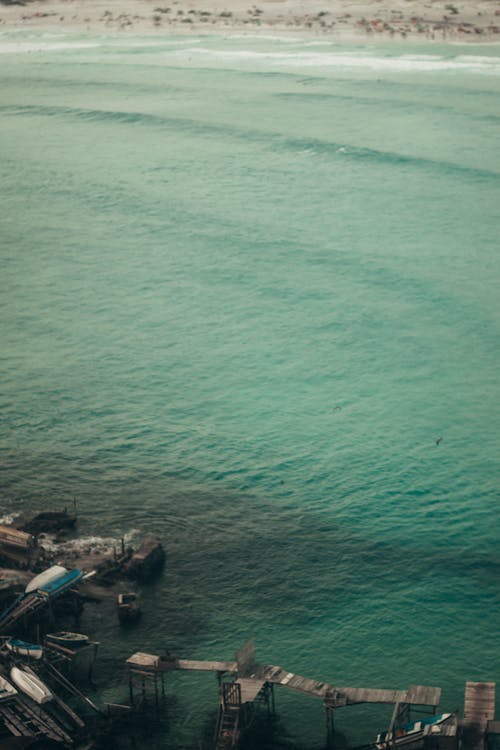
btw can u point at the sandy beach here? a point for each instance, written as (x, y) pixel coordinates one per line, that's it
(456, 21)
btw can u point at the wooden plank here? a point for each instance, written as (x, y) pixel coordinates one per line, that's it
(279, 676)
(416, 694)
(142, 660)
(207, 666)
(250, 688)
(41, 719)
(422, 695)
(306, 685)
(14, 725)
(479, 707)
(372, 695)
(271, 673)
(479, 703)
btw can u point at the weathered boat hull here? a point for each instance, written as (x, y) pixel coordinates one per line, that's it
(45, 577)
(411, 733)
(22, 648)
(62, 583)
(31, 685)
(67, 639)
(6, 689)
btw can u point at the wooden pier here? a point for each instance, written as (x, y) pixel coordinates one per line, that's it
(243, 683)
(22, 609)
(479, 712)
(23, 719)
(54, 720)
(73, 662)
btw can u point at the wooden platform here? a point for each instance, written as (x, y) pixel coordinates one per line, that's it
(336, 697)
(252, 684)
(207, 666)
(250, 688)
(155, 663)
(479, 703)
(479, 710)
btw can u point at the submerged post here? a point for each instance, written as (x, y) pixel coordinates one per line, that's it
(330, 727)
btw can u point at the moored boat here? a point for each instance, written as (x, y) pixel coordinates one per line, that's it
(22, 648)
(31, 685)
(411, 732)
(6, 689)
(61, 583)
(45, 577)
(67, 639)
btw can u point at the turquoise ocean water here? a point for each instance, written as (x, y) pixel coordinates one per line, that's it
(246, 284)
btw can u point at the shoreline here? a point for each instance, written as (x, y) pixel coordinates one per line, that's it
(371, 20)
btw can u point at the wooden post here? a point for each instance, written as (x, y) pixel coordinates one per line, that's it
(131, 688)
(330, 728)
(52, 619)
(91, 663)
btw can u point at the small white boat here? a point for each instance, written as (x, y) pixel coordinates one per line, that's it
(68, 639)
(31, 685)
(6, 689)
(22, 648)
(411, 732)
(42, 579)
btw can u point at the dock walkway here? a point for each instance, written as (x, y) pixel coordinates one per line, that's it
(479, 710)
(255, 676)
(23, 607)
(337, 697)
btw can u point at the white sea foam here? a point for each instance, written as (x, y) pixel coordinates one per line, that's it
(311, 59)
(8, 519)
(90, 545)
(11, 47)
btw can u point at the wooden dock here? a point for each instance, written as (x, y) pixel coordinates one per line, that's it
(255, 676)
(337, 697)
(243, 683)
(26, 606)
(249, 688)
(23, 718)
(207, 666)
(479, 711)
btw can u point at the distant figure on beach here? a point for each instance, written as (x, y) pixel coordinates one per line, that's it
(438, 440)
